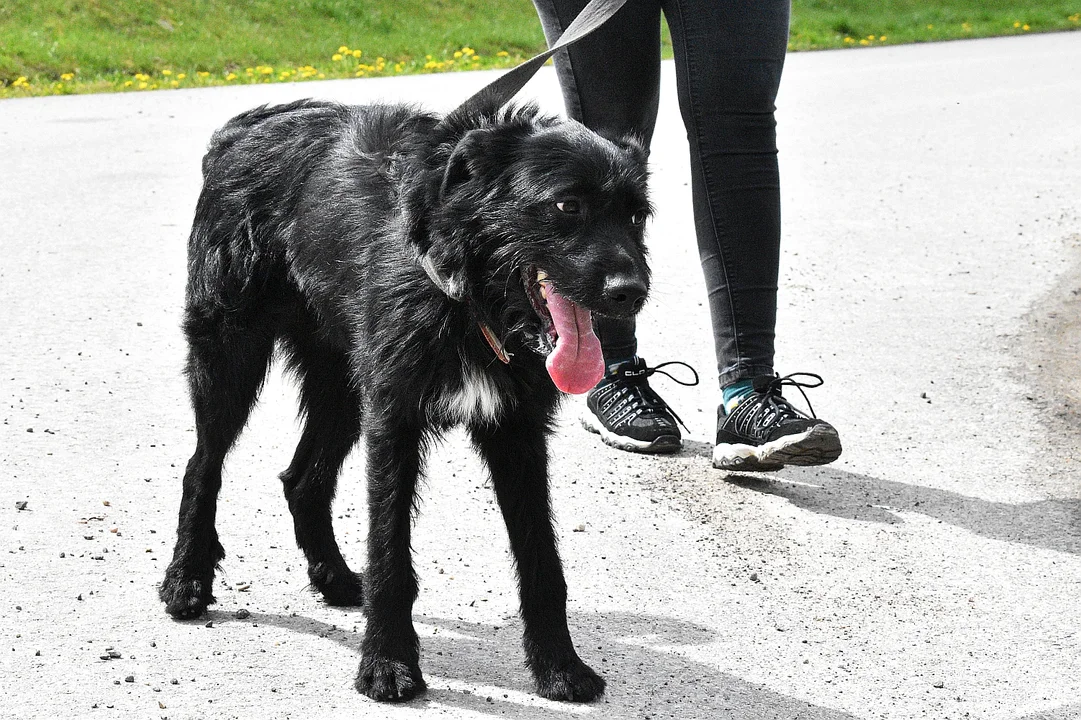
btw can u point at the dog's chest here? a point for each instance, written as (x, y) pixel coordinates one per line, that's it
(477, 399)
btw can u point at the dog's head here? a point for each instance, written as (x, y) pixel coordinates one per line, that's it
(539, 224)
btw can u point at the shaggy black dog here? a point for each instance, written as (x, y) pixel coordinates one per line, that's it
(416, 273)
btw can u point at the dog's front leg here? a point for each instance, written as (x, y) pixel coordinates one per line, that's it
(389, 666)
(517, 456)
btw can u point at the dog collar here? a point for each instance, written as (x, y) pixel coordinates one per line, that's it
(494, 343)
(451, 291)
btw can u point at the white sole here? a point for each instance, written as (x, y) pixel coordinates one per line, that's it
(663, 444)
(818, 446)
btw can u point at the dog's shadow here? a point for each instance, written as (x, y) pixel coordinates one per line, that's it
(479, 667)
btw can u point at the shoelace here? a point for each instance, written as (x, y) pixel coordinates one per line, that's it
(641, 396)
(769, 403)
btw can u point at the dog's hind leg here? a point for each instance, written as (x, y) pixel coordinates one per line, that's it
(517, 456)
(331, 405)
(390, 663)
(227, 364)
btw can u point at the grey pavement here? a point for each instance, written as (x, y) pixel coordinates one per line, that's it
(931, 272)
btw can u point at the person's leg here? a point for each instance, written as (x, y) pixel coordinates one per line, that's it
(611, 84)
(729, 56)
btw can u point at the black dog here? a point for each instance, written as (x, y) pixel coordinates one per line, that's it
(415, 272)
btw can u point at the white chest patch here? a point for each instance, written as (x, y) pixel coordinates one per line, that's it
(478, 400)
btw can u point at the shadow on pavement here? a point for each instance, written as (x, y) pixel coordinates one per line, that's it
(1053, 524)
(1066, 712)
(639, 655)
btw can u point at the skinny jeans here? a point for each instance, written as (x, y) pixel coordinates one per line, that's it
(728, 56)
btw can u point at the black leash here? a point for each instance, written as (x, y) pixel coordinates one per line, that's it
(506, 86)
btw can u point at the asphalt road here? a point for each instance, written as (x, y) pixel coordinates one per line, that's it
(931, 271)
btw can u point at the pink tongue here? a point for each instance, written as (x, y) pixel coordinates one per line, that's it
(576, 364)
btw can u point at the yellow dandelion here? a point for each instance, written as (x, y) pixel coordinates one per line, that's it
(266, 70)
(967, 27)
(476, 58)
(457, 54)
(127, 84)
(870, 37)
(865, 41)
(202, 73)
(398, 67)
(930, 27)
(175, 83)
(468, 51)
(336, 57)
(67, 76)
(166, 73)
(849, 40)
(322, 76)
(181, 76)
(231, 76)
(1025, 27)
(359, 73)
(1076, 17)
(502, 53)
(882, 38)
(357, 53)
(142, 86)
(343, 49)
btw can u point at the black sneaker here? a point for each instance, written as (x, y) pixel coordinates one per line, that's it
(764, 432)
(627, 414)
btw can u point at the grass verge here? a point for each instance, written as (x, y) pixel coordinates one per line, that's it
(54, 47)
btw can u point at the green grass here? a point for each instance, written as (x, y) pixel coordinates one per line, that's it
(73, 46)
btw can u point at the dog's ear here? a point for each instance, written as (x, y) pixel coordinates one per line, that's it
(633, 144)
(466, 160)
(441, 253)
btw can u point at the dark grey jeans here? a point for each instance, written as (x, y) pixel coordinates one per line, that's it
(729, 55)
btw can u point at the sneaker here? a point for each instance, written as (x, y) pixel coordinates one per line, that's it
(627, 414)
(765, 432)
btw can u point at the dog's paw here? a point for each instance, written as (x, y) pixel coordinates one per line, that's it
(340, 587)
(185, 598)
(388, 680)
(575, 682)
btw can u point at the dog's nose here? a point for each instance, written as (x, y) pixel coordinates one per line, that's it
(627, 293)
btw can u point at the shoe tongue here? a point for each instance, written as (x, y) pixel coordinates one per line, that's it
(576, 364)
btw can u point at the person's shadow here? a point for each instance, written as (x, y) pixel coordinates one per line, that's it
(481, 668)
(1053, 524)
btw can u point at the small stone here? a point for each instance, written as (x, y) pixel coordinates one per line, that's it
(939, 684)
(37, 654)
(209, 624)
(242, 614)
(21, 504)
(174, 681)
(754, 577)
(130, 678)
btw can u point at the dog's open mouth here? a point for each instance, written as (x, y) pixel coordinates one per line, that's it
(574, 352)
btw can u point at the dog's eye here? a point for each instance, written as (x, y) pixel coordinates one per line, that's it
(570, 207)
(638, 217)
